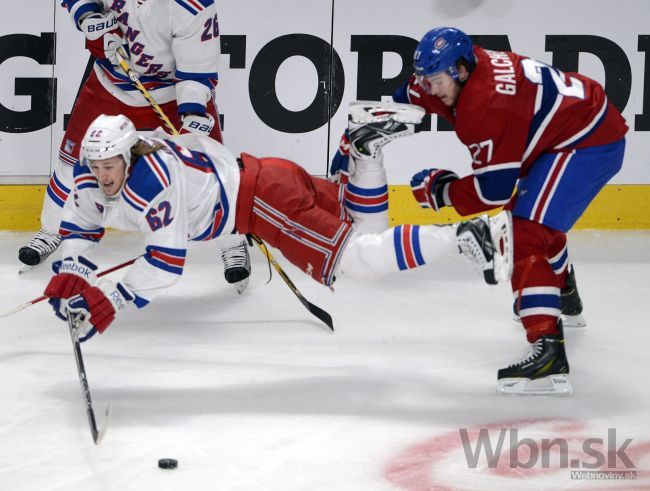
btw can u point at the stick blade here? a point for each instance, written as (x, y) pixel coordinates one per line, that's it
(98, 436)
(320, 313)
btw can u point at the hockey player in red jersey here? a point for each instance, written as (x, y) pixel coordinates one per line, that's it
(551, 138)
(174, 47)
(190, 187)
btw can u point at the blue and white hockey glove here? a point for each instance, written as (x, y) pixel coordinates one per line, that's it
(73, 276)
(94, 308)
(431, 187)
(103, 36)
(195, 123)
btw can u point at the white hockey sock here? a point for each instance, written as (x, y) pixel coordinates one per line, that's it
(366, 195)
(370, 256)
(61, 183)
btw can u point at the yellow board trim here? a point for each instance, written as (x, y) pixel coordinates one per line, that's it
(616, 207)
(20, 207)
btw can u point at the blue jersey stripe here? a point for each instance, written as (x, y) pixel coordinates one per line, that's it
(167, 259)
(549, 95)
(180, 75)
(415, 240)
(497, 185)
(144, 182)
(191, 107)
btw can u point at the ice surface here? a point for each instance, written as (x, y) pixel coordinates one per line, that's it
(252, 393)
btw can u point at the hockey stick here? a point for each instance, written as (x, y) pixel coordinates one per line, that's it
(83, 380)
(133, 76)
(135, 79)
(314, 309)
(43, 297)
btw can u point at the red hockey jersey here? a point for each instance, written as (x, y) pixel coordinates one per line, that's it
(511, 110)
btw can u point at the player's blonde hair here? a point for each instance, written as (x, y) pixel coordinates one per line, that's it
(144, 147)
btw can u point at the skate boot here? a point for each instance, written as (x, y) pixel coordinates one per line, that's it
(373, 124)
(237, 265)
(39, 248)
(544, 369)
(487, 242)
(570, 304)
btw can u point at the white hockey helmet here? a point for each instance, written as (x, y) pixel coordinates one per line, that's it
(108, 136)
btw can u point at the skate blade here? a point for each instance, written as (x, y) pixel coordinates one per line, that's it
(25, 269)
(501, 231)
(574, 321)
(570, 321)
(240, 286)
(553, 385)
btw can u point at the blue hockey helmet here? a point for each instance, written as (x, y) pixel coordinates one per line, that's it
(439, 51)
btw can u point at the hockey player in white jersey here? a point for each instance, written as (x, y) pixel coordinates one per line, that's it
(190, 186)
(174, 47)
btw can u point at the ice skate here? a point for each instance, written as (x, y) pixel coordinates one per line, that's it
(237, 265)
(487, 242)
(544, 369)
(570, 304)
(373, 124)
(39, 248)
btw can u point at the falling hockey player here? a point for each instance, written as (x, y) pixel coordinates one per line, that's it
(172, 188)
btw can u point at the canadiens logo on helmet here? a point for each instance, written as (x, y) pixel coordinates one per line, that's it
(439, 43)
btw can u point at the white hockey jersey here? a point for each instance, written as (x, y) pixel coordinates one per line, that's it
(186, 191)
(174, 45)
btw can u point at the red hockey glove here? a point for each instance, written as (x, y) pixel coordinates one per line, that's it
(431, 187)
(103, 36)
(74, 276)
(94, 308)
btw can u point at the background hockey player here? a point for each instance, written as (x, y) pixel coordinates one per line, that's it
(554, 137)
(173, 188)
(174, 46)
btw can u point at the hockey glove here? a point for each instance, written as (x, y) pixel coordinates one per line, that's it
(194, 123)
(73, 276)
(103, 36)
(431, 187)
(340, 166)
(94, 308)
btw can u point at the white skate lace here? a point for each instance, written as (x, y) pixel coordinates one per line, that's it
(44, 243)
(236, 257)
(472, 250)
(531, 352)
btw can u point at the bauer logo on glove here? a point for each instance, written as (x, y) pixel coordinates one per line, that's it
(194, 123)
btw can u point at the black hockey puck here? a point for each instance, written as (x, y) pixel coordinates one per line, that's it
(168, 463)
